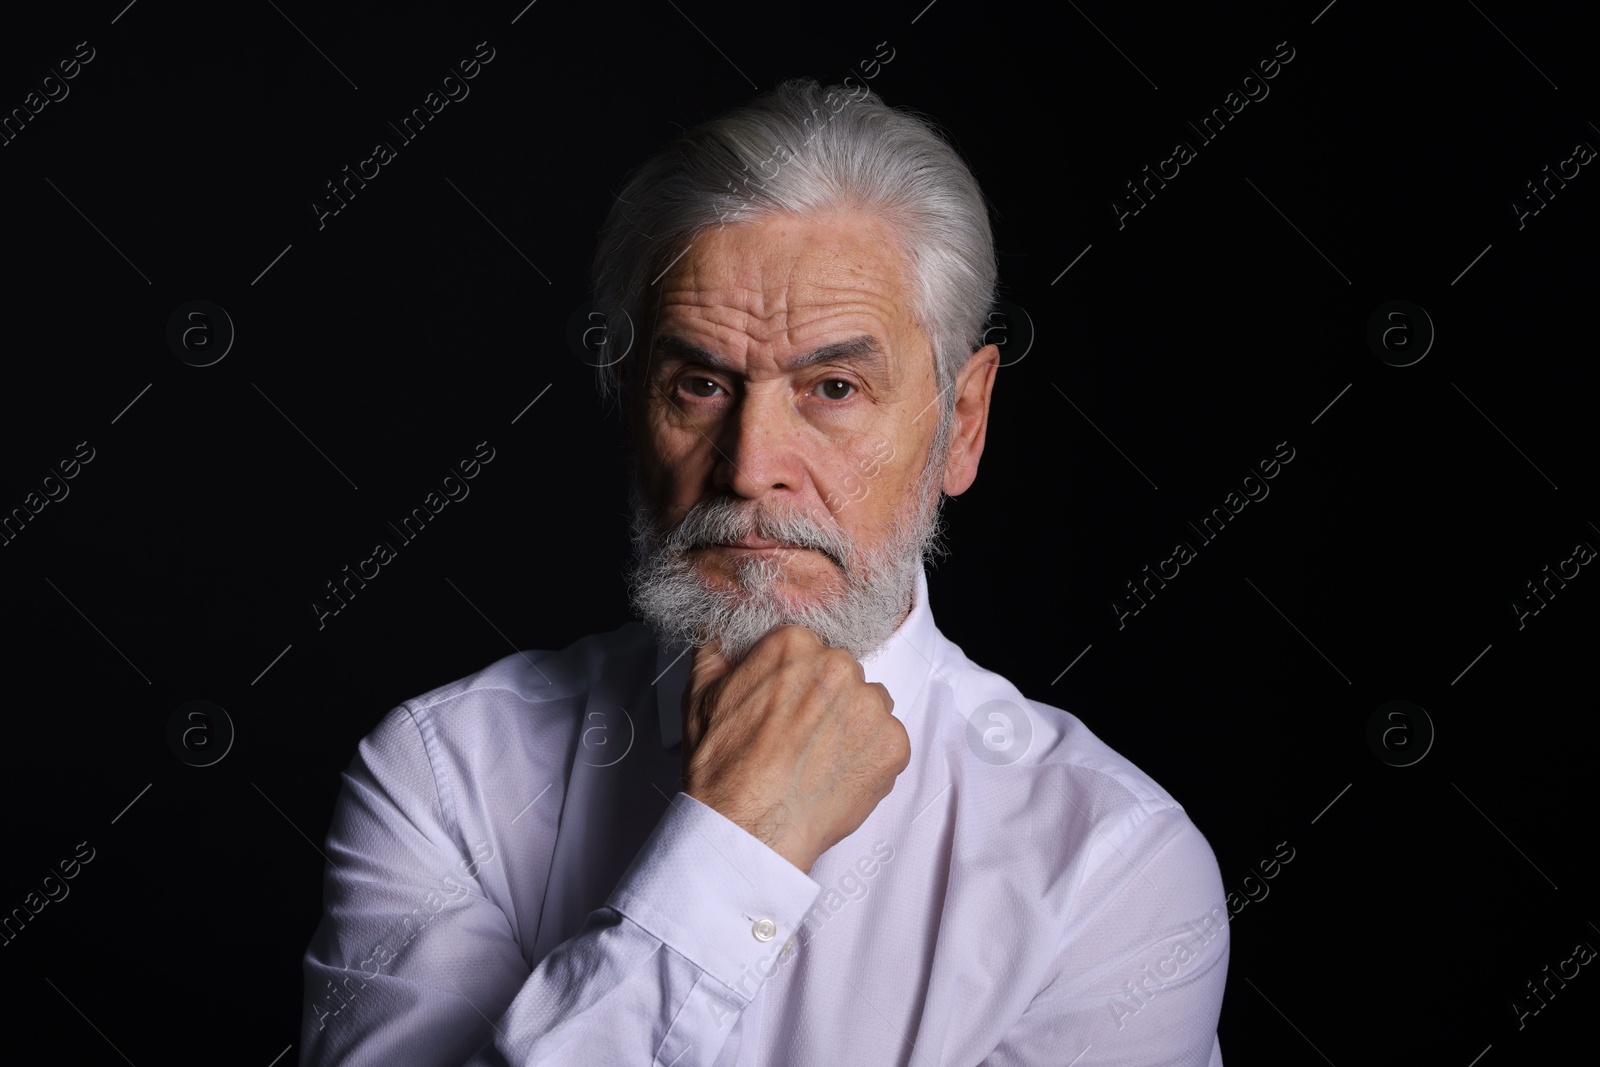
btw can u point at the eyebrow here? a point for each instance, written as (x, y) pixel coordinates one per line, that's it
(863, 351)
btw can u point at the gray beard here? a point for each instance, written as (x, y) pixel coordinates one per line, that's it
(859, 611)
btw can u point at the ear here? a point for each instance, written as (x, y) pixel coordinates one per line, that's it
(974, 385)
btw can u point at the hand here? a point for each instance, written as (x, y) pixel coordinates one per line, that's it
(793, 744)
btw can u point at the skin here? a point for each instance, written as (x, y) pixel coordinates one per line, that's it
(792, 743)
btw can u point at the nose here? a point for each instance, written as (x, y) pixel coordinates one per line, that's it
(759, 445)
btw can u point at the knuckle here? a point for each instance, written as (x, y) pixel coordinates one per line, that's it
(834, 661)
(842, 665)
(789, 643)
(778, 638)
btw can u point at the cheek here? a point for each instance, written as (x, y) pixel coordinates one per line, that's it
(674, 467)
(871, 484)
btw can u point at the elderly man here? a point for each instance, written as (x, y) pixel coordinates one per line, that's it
(787, 822)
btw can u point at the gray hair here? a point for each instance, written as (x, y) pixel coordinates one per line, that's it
(804, 149)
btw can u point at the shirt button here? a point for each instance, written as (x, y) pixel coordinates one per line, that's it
(765, 930)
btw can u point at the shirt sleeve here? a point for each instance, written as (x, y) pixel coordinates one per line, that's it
(1139, 977)
(414, 964)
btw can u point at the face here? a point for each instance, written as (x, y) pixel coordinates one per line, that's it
(785, 424)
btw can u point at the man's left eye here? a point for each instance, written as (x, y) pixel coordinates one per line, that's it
(836, 389)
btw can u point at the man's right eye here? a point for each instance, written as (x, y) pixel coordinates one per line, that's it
(704, 388)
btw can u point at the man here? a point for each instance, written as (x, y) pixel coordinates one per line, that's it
(787, 822)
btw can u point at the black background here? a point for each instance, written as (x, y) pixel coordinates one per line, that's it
(1224, 318)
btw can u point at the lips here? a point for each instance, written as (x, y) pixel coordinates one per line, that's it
(767, 544)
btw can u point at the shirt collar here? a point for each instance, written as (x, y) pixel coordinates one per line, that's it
(902, 665)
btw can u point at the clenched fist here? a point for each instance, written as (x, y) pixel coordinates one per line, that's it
(793, 744)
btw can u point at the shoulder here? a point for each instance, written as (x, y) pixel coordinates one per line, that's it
(1037, 762)
(1095, 851)
(525, 695)
(540, 676)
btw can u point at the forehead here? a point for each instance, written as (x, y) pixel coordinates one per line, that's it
(785, 276)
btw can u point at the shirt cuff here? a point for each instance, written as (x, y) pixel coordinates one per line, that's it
(715, 894)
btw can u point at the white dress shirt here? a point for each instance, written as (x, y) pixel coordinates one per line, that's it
(516, 879)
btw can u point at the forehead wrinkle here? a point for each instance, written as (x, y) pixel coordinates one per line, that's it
(743, 272)
(720, 289)
(722, 304)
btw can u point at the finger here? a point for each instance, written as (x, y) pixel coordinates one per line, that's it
(706, 665)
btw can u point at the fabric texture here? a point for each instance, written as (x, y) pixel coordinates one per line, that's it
(516, 878)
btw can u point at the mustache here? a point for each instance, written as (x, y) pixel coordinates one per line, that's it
(723, 520)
